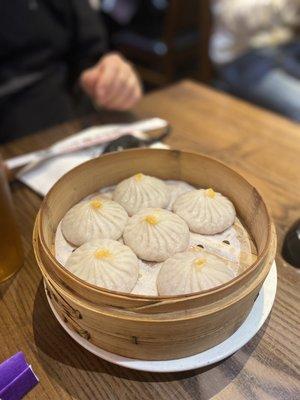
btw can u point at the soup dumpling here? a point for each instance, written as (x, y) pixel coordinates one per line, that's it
(105, 263)
(193, 271)
(95, 218)
(141, 191)
(205, 211)
(155, 234)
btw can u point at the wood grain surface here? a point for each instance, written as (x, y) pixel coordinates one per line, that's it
(264, 148)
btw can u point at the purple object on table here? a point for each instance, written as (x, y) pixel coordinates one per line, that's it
(16, 378)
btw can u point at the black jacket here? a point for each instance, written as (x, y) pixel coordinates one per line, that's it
(44, 45)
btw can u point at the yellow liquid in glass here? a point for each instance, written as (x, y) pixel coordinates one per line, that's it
(11, 252)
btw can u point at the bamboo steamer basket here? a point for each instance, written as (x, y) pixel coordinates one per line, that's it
(153, 327)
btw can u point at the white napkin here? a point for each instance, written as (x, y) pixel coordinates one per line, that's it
(47, 173)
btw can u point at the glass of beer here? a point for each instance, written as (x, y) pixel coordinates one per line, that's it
(11, 252)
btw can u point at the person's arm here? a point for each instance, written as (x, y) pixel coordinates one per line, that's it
(108, 78)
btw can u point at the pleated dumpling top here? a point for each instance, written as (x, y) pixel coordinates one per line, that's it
(205, 211)
(141, 191)
(155, 234)
(193, 271)
(105, 263)
(95, 218)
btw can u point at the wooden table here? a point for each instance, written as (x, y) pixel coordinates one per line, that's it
(266, 150)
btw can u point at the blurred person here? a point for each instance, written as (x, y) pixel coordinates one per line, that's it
(47, 47)
(256, 51)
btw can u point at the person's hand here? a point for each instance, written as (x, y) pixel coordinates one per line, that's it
(112, 83)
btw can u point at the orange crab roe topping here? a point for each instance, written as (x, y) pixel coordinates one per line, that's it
(102, 254)
(210, 193)
(151, 219)
(96, 204)
(138, 177)
(200, 262)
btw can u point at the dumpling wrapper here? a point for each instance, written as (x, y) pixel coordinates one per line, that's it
(95, 218)
(155, 234)
(193, 271)
(141, 191)
(205, 211)
(105, 263)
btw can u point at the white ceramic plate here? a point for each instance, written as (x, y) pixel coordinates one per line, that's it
(259, 313)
